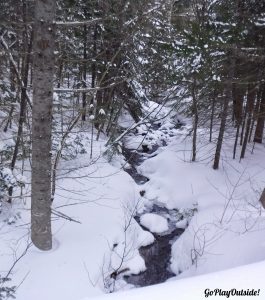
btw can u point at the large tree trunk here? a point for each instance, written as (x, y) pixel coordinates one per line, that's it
(43, 64)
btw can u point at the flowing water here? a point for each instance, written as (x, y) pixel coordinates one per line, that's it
(157, 255)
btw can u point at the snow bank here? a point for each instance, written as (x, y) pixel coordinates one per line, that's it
(96, 195)
(228, 225)
(196, 288)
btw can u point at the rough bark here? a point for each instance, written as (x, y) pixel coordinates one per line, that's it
(43, 68)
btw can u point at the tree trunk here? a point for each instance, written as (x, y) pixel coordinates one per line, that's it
(238, 93)
(93, 66)
(43, 68)
(255, 114)
(249, 108)
(84, 102)
(227, 98)
(221, 133)
(261, 119)
(195, 121)
(212, 114)
(236, 140)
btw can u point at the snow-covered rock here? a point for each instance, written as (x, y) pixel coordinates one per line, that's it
(154, 223)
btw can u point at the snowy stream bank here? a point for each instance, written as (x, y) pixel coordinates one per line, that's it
(157, 255)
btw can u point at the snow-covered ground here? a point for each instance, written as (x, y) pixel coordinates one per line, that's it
(225, 225)
(96, 196)
(228, 228)
(219, 285)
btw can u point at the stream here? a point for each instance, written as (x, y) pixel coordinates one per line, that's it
(157, 255)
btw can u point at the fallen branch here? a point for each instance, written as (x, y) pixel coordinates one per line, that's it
(64, 216)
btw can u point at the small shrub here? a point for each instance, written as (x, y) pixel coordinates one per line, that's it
(6, 292)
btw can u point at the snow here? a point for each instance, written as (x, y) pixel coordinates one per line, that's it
(240, 278)
(145, 238)
(182, 224)
(227, 216)
(102, 112)
(154, 222)
(182, 192)
(224, 222)
(97, 196)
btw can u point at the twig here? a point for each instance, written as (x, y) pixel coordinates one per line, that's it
(64, 216)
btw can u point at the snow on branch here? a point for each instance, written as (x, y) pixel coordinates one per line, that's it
(78, 23)
(6, 47)
(87, 90)
(143, 15)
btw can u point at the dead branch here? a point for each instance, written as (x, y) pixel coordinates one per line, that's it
(64, 216)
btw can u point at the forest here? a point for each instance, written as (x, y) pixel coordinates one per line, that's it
(131, 148)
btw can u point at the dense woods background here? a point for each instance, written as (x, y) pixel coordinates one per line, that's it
(205, 58)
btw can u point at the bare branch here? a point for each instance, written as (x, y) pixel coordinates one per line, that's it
(6, 47)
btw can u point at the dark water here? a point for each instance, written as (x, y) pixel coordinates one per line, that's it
(157, 255)
(157, 259)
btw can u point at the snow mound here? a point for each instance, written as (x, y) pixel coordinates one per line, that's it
(145, 238)
(182, 224)
(154, 223)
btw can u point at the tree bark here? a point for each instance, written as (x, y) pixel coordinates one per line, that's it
(261, 119)
(212, 113)
(221, 133)
(195, 121)
(249, 107)
(84, 101)
(43, 68)
(227, 98)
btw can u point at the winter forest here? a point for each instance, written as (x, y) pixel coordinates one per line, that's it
(132, 149)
